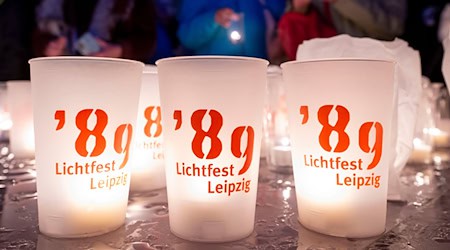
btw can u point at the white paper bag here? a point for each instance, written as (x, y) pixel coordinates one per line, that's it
(446, 61)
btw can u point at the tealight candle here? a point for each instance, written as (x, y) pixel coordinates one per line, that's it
(421, 152)
(439, 137)
(280, 156)
(440, 157)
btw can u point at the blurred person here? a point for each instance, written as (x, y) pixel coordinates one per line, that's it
(227, 27)
(16, 25)
(444, 23)
(422, 33)
(378, 19)
(167, 42)
(104, 28)
(302, 22)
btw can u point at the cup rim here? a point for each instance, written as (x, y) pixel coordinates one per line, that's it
(83, 58)
(187, 58)
(17, 81)
(356, 59)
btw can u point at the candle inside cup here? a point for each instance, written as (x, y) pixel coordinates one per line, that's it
(421, 152)
(440, 138)
(5, 126)
(21, 135)
(281, 156)
(209, 219)
(147, 160)
(85, 211)
(5, 119)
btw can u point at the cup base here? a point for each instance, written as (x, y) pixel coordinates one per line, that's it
(85, 235)
(220, 239)
(342, 234)
(212, 221)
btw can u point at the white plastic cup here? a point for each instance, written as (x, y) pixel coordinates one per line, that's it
(84, 116)
(148, 172)
(212, 108)
(5, 118)
(21, 134)
(277, 137)
(340, 114)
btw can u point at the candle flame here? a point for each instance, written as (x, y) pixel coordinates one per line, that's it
(235, 35)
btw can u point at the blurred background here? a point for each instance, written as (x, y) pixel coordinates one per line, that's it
(147, 30)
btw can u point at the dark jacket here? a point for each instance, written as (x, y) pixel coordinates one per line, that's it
(134, 31)
(16, 25)
(379, 19)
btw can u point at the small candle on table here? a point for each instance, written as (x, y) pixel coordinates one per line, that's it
(421, 152)
(439, 137)
(281, 156)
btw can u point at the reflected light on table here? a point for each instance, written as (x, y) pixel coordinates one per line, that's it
(287, 193)
(440, 157)
(135, 207)
(421, 179)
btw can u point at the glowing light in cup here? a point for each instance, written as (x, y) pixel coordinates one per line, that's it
(84, 118)
(5, 118)
(148, 159)
(21, 135)
(339, 125)
(421, 153)
(277, 137)
(212, 108)
(439, 138)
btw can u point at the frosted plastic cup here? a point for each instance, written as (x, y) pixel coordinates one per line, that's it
(340, 114)
(211, 109)
(85, 112)
(5, 118)
(21, 134)
(277, 137)
(147, 163)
